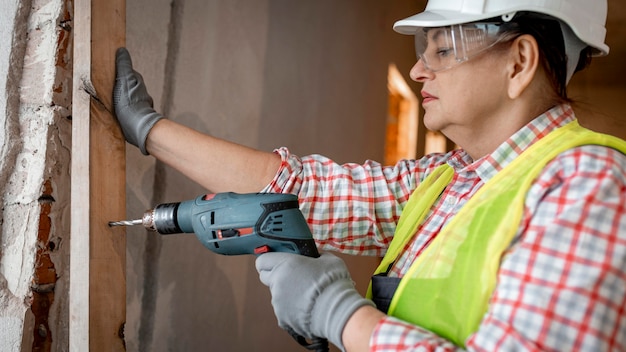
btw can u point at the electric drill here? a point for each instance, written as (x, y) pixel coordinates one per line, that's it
(232, 223)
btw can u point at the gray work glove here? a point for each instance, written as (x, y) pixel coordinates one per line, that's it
(133, 105)
(314, 297)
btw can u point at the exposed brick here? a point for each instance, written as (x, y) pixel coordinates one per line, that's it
(45, 277)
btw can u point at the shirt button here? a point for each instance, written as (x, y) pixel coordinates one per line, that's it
(451, 200)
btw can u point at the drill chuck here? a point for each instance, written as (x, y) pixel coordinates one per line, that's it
(162, 219)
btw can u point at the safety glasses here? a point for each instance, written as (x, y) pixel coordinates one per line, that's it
(442, 48)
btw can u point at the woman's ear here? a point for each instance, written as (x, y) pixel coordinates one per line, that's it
(523, 64)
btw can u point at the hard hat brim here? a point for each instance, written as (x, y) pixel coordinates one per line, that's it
(429, 19)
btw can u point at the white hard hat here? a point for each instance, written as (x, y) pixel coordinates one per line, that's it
(584, 19)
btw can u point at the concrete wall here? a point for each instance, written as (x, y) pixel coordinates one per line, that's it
(310, 75)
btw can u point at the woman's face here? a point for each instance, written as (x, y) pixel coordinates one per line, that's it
(465, 97)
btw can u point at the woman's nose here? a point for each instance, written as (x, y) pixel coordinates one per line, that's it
(419, 72)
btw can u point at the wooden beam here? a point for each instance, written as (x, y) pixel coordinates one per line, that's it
(79, 222)
(98, 252)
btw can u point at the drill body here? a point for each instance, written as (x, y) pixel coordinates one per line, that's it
(232, 223)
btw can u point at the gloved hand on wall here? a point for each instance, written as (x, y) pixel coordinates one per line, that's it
(133, 105)
(313, 297)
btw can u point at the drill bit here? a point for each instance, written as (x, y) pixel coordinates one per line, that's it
(126, 222)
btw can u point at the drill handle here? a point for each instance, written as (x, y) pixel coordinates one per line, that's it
(307, 247)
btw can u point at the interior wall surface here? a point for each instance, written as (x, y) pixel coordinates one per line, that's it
(263, 73)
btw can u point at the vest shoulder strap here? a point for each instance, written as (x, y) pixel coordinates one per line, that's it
(420, 201)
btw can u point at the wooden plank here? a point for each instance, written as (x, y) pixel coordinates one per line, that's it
(107, 282)
(98, 253)
(79, 223)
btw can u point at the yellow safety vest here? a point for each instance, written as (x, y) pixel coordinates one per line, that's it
(448, 287)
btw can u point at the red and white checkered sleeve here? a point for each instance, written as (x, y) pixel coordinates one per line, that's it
(352, 208)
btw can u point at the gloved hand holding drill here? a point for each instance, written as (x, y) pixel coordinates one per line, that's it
(314, 297)
(133, 105)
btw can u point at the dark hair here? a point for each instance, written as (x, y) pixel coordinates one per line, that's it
(547, 32)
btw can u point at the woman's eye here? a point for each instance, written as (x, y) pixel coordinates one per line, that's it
(443, 52)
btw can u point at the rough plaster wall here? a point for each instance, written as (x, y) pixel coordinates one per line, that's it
(12, 307)
(309, 75)
(34, 181)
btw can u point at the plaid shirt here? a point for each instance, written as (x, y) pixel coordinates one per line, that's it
(562, 282)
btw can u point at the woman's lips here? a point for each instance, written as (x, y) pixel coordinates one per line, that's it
(427, 97)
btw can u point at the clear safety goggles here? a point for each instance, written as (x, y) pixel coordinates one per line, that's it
(442, 48)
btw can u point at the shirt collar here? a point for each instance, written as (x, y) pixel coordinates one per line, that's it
(489, 165)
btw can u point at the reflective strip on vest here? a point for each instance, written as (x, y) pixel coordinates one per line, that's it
(448, 287)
